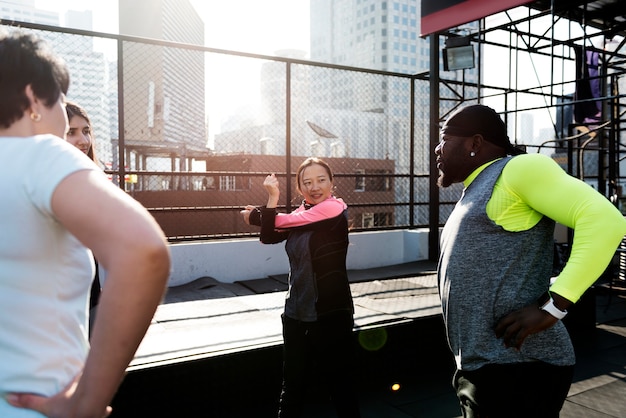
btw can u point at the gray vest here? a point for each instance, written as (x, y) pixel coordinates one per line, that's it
(486, 272)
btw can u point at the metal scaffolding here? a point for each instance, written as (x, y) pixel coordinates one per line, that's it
(561, 60)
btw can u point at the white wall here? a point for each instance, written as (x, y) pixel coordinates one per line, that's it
(247, 259)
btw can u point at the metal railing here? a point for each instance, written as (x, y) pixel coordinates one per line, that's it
(165, 134)
(191, 131)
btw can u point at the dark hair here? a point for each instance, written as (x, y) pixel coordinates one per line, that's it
(483, 120)
(26, 59)
(309, 162)
(74, 109)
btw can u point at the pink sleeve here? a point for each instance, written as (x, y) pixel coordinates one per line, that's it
(327, 209)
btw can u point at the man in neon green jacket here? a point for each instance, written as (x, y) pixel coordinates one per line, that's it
(502, 310)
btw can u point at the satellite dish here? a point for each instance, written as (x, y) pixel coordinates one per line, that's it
(321, 131)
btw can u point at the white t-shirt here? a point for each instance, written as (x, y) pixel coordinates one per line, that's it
(45, 272)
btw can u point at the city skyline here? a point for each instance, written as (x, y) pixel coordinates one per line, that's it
(268, 37)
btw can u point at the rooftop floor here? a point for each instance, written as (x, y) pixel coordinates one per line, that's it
(213, 350)
(246, 315)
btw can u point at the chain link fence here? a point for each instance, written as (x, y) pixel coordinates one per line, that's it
(191, 132)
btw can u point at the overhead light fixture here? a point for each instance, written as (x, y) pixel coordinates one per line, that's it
(458, 54)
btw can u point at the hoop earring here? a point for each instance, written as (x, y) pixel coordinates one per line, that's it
(35, 117)
(472, 154)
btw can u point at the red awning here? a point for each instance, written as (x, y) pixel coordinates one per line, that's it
(438, 15)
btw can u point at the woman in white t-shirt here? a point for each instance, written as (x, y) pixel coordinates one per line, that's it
(48, 222)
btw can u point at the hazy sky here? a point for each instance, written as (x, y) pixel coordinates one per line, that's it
(256, 26)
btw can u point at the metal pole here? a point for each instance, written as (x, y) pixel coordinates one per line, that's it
(412, 156)
(288, 179)
(121, 166)
(433, 211)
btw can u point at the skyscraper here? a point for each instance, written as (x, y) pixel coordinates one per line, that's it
(88, 68)
(384, 36)
(381, 35)
(25, 11)
(160, 82)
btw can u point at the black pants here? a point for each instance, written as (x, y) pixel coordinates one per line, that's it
(534, 389)
(325, 347)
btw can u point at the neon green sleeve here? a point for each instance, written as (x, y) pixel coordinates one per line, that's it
(598, 226)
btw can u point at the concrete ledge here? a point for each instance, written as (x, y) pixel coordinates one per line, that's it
(386, 248)
(246, 259)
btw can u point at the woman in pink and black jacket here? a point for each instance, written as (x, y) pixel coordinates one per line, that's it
(319, 315)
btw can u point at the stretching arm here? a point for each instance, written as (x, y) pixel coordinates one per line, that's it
(328, 209)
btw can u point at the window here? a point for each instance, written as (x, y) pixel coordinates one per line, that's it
(379, 183)
(372, 180)
(227, 183)
(208, 183)
(372, 220)
(382, 219)
(359, 185)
